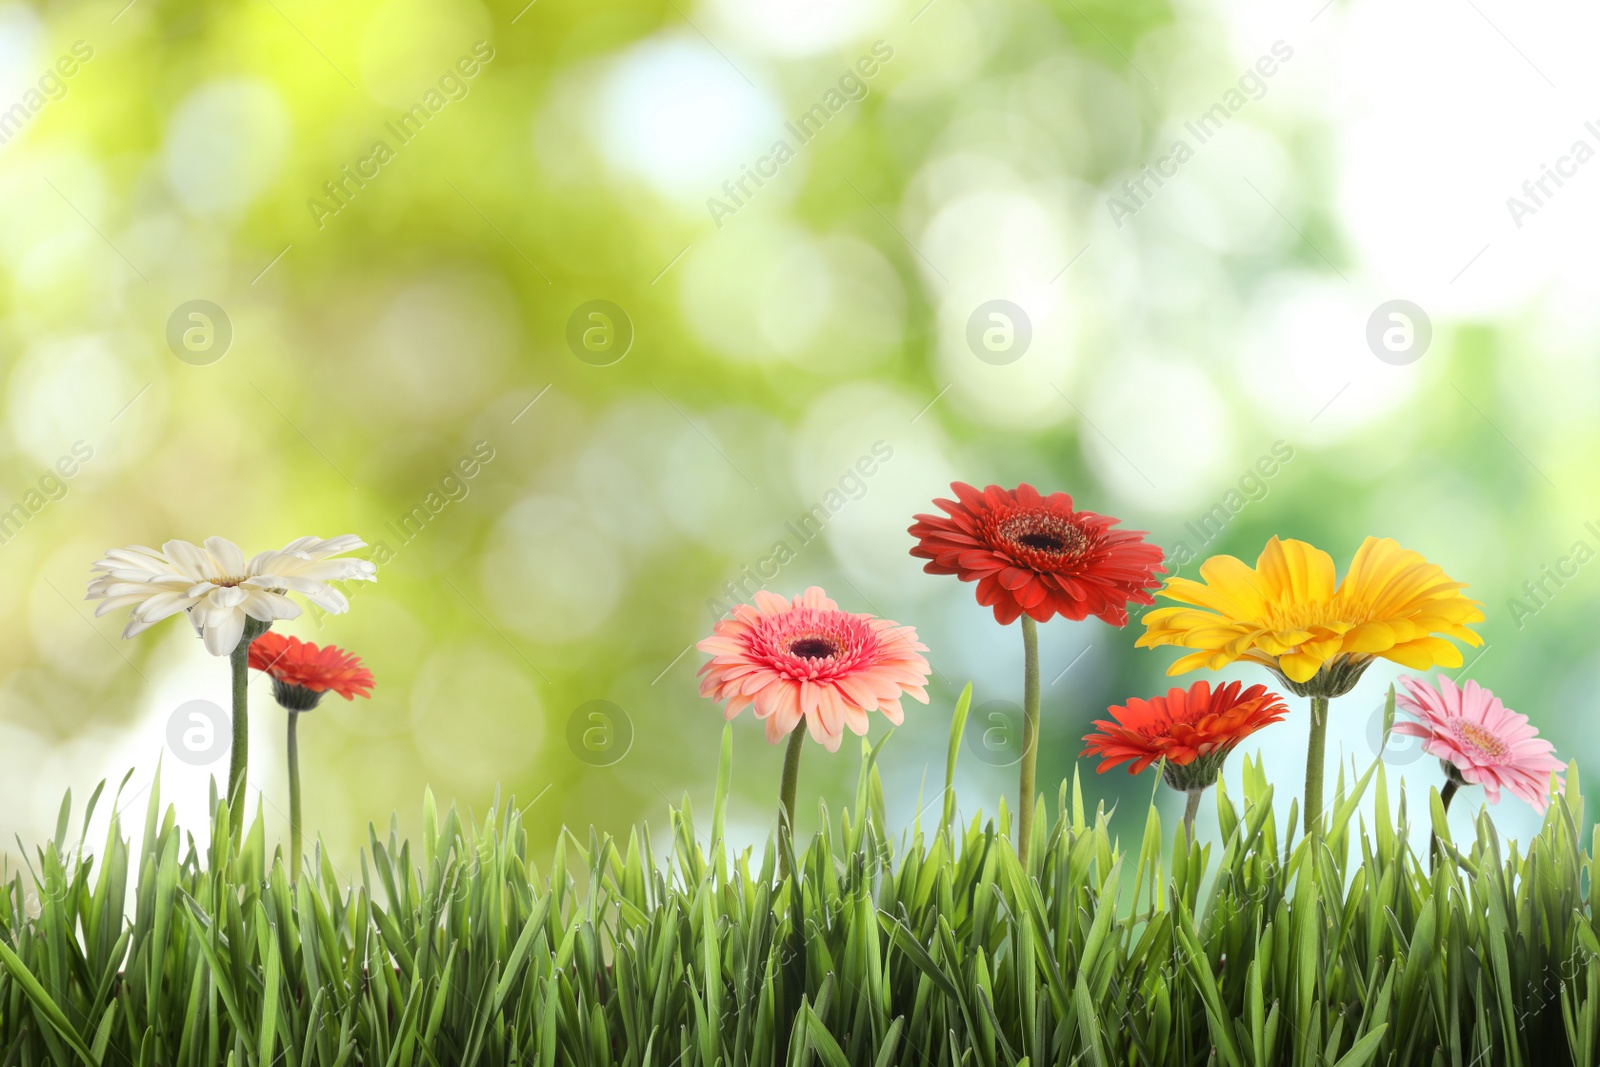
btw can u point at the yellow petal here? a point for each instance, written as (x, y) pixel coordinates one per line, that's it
(1277, 642)
(1324, 648)
(1294, 570)
(1428, 652)
(1371, 637)
(1233, 588)
(1299, 666)
(1190, 662)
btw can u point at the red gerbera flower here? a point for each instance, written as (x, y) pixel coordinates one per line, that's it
(1192, 729)
(1035, 554)
(302, 673)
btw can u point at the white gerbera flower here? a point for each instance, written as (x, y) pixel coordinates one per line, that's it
(219, 589)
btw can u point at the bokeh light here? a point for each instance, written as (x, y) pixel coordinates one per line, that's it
(398, 318)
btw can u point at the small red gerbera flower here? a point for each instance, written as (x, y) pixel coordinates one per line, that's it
(1035, 554)
(302, 673)
(1192, 729)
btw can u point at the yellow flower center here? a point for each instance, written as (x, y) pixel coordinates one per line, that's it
(1481, 739)
(1313, 615)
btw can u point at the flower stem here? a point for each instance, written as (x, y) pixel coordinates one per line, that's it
(1190, 810)
(1446, 795)
(791, 782)
(1316, 753)
(294, 796)
(239, 759)
(1030, 736)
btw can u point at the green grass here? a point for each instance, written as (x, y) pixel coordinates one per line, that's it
(1260, 949)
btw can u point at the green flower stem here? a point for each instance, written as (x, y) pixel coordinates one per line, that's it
(791, 782)
(1446, 795)
(294, 796)
(1030, 736)
(1316, 753)
(1190, 810)
(239, 760)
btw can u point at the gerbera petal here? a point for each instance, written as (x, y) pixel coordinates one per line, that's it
(223, 631)
(227, 554)
(293, 662)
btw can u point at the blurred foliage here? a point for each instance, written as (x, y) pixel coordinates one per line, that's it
(375, 348)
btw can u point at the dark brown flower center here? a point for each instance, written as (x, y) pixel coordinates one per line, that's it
(813, 648)
(1042, 541)
(1043, 533)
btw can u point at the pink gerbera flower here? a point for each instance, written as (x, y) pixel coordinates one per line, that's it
(808, 658)
(1479, 739)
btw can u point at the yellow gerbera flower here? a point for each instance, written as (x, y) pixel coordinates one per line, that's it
(1288, 615)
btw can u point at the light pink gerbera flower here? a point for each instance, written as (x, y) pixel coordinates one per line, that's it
(808, 658)
(1479, 739)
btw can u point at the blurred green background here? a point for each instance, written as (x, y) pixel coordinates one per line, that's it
(400, 216)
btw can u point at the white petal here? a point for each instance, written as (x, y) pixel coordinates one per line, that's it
(228, 597)
(343, 543)
(135, 627)
(265, 606)
(120, 588)
(192, 561)
(106, 606)
(328, 598)
(303, 555)
(223, 634)
(159, 607)
(227, 554)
